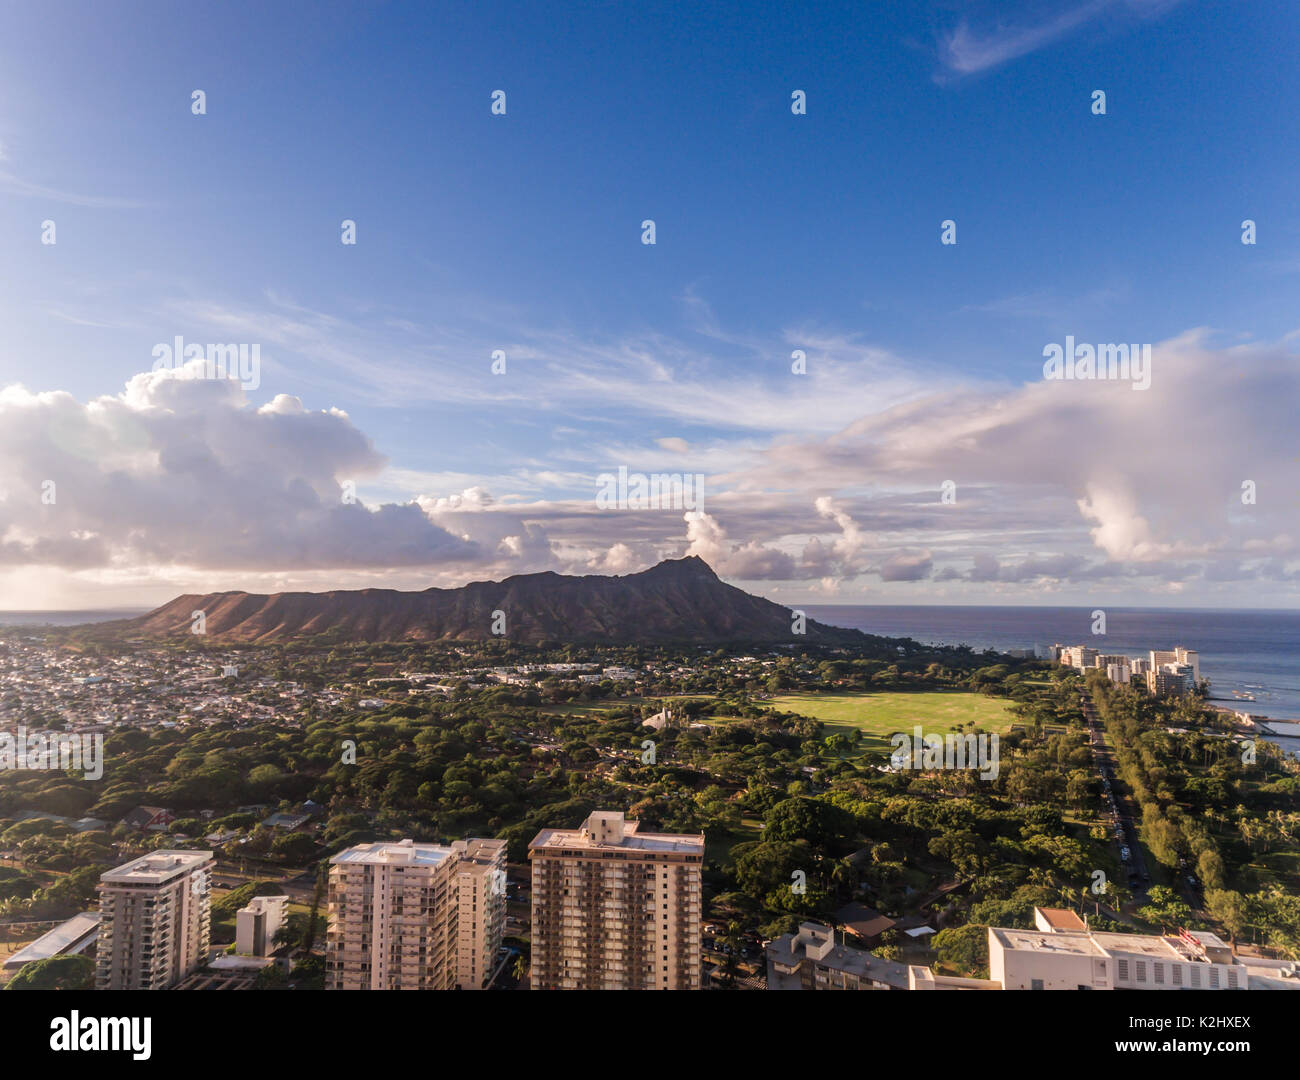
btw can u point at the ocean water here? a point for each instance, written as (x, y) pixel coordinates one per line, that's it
(65, 618)
(1252, 652)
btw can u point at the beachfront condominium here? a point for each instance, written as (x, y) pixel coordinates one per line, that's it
(397, 921)
(615, 908)
(154, 920)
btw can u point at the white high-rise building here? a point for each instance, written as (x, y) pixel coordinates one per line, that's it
(408, 916)
(1191, 659)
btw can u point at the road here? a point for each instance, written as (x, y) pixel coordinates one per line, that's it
(1117, 800)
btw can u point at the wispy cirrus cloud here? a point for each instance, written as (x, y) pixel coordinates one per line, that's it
(11, 184)
(967, 50)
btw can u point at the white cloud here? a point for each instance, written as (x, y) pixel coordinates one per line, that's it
(967, 51)
(182, 470)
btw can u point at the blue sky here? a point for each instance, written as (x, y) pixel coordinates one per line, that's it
(774, 232)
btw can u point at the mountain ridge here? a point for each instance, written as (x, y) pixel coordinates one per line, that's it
(675, 601)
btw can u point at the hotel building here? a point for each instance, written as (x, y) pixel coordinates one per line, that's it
(1163, 672)
(615, 908)
(155, 921)
(1170, 680)
(408, 916)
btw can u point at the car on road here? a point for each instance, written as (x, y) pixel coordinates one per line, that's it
(1123, 854)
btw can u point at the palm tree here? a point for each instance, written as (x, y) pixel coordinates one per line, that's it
(322, 877)
(732, 940)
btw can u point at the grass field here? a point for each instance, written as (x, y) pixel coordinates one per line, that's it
(880, 715)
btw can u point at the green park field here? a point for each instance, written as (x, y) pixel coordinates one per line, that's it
(879, 715)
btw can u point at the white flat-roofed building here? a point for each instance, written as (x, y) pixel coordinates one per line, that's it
(256, 925)
(67, 939)
(1086, 960)
(155, 921)
(615, 908)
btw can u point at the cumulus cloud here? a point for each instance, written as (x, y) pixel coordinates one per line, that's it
(1055, 482)
(180, 469)
(750, 560)
(619, 559)
(1152, 479)
(1121, 531)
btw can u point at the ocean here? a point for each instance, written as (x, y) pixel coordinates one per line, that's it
(1250, 652)
(65, 618)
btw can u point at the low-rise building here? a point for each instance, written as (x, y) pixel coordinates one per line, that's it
(70, 938)
(257, 923)
(1072, 959)
(811, 959)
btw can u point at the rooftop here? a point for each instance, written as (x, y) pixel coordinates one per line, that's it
(157, 867)
(1077, 944)
(864, 921)
(69, 937)
(608, 829)
(1058, 919)
(817, 943)
(401, 852)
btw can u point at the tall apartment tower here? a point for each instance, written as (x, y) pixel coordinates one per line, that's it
(408, 916)
(155, 922)
(391, 918)
(480, 909)
(615, 908)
